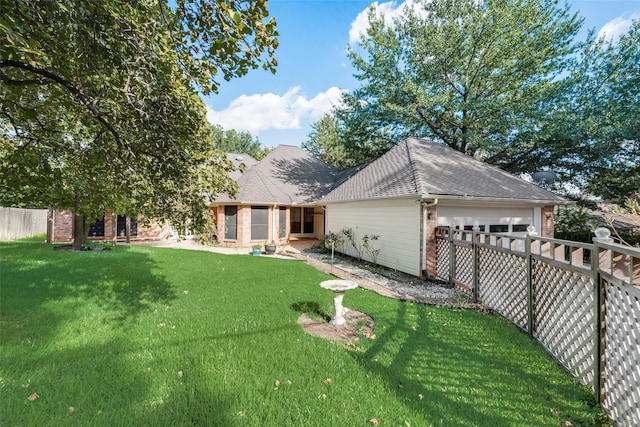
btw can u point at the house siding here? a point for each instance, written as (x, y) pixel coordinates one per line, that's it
(396, 221)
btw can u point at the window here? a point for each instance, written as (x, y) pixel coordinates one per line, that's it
(121, 229)
(498, 228)
(296, 220)
(517, 228)
(231, 222)
(308, 220)
(470, 228)
(96, 229)
(259, 222)
(282, 222)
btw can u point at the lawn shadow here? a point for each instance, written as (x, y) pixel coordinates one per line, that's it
(451, 376)
(121, 282)
(310, 307)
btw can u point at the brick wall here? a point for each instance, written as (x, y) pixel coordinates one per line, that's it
(244, 225)
(60, 228)
(548, 221)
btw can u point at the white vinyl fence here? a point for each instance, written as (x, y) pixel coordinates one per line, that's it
(16, 223)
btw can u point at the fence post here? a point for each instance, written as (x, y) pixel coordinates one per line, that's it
(531, 231)
(452, 256)
(603, 235)
(475, 248)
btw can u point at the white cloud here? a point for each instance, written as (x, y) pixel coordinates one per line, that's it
(389, 10)
(613, 29)
(257, 112)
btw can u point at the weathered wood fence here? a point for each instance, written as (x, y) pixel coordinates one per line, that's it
(16, 223)
(580, 301)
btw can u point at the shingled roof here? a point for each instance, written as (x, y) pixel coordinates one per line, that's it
(287, 175)
(424, 168)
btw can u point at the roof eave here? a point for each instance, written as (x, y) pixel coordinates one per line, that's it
(541, 202)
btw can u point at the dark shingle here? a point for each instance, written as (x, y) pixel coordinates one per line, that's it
(287, 175)
(423, 168)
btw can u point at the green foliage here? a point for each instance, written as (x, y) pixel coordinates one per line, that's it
(605, 113)
(331, 239)
(504, 81)
(575, 223)
(99, 245)
(448, 70)
(231, 141)
(208, 234)
(324, 143)
(368, 246)
(165, 337)
(98, 107)
(361, 245)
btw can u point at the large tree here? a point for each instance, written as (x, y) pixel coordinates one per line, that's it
(232, 141)
(477, 76)
(608, 97)
(99, 105)
(325, 142)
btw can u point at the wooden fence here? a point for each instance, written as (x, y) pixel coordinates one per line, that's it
(580, 301)
(16, 223)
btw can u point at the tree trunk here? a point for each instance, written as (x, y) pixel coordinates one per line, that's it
(80, 231)
(128, 229)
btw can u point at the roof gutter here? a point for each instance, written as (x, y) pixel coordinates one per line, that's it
(505, 200)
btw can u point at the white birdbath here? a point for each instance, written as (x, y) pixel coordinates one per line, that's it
(339, 287)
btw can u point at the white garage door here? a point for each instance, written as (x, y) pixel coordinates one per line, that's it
(494, 220)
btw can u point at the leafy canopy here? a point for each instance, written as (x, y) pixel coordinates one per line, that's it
(232, 141)
(501, 80)
(98, 101)
(471, 74)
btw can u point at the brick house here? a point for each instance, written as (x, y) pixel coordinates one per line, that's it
(276, 200)
(111, 227)
(401, 197)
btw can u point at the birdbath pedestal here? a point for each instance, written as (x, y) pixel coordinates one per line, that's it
(339, 287)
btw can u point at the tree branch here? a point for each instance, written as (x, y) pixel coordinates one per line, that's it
(50, 76)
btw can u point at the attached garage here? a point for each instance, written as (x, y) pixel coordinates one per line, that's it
(490, 219)
(420, 185)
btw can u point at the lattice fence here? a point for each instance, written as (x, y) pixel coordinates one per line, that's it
(621, 386)
(564, 316)
(584, 310)
(464, 265)
(502, 283)
(442, 266)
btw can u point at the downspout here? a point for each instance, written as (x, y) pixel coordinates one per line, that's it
(425, 207)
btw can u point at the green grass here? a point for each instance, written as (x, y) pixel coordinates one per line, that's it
(148, 336)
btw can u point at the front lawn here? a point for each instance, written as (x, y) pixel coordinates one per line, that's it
(149, 336)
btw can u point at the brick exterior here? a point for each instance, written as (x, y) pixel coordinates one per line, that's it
(60, 228)
(548, 221)
(244, 225)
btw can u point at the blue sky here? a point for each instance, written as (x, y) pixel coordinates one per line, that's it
(313, 68)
